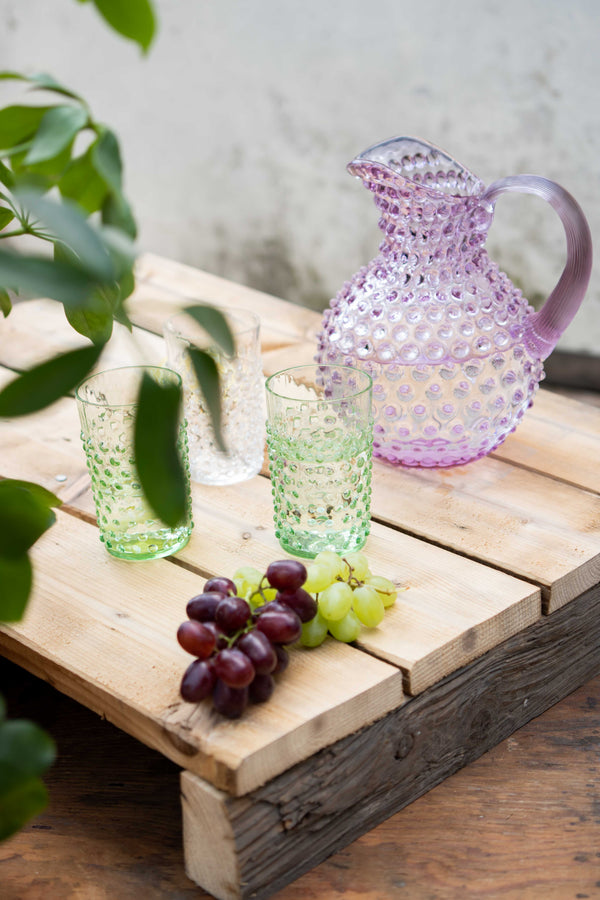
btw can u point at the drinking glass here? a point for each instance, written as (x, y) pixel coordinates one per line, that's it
(320, 439)
(107, 404)
(242, 397)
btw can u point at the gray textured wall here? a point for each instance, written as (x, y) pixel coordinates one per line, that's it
(237, 127)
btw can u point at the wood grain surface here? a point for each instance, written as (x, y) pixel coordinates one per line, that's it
(520, 823)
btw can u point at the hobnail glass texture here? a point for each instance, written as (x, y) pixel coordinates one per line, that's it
(243, 409)
(319, 437)
(453, 347)
(128, 527)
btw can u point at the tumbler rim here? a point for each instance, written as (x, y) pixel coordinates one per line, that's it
(140, 368)
(357, 392)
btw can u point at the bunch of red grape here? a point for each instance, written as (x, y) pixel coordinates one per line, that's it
(240, 647)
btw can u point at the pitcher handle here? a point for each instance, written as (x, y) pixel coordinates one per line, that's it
(546, 326)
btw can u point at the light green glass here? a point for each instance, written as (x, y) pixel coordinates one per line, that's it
(107, 404)
(320, 440)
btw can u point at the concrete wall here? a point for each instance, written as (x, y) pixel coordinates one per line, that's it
(237, 128)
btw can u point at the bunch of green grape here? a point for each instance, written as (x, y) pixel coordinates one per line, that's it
(347, 596)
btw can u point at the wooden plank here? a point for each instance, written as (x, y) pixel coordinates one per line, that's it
(302, 816)
(108, 640)
(521, 821)
(522, 522)
(559, 437)
(36, 330)
(453, 611)
(151, 305)
(297, 322)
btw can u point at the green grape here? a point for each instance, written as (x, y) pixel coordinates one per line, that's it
(258, 598)
(336, 565)
(314, 632)
(358, 563)
(318, 578)
(346, 629)
(386, 589)
(335, 601)
(368, 606)
(246, 580)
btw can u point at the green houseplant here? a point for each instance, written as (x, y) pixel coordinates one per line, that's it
(61, 183)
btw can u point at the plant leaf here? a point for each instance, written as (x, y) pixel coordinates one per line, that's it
(95, 321)
(157, 458)
(43, 277)
(106, 159)
(69, 225)
(42, 81)
(6, 216)
(215, 323)
(16, 578)
(207, 374)
(134, 19)
(18, 124)
(41, 494)
(5, 302)
(26, 752)
(117, 212)
(6, 176)
(81, 182)
(57, 129)
(23, 519)
(47, 382)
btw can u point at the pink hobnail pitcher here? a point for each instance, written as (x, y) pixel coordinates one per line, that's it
(454, 349)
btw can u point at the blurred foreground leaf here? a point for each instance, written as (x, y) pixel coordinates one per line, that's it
(157, 458)
(215, 324)
(134, 19)
(25, 753)
(46, 383)
(207, 373)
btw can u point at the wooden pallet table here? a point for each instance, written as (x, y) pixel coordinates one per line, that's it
(500, 620)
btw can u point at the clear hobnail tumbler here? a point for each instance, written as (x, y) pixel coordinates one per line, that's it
(320, 439)
(107, 404)
(242, 398)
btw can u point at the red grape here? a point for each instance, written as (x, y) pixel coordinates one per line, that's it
(203, 606)
(283, 658)
(222, 584)
(280, 626)
(232, 613)
(304, 605)
(230, 702)
(234, 668)
(259, 650)
(220, 638)
(196, 638)
(261, 688)
(198, 681)
(286, 574)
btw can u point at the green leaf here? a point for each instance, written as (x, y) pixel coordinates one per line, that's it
(16, 579)
(56, 131)
(69, 225)
(106, 159)
(47, 382)
(19, 123)
(157, 457)
(116, 212)
(22, 803)
(23, 519)
(80, 182)
(42, 81)
(6, 216)
(133, 19)
(95, 321)
(207, 373)
(43, 277)
(215, 323)
(5, 302)
(6, 176)
(41, 495)
(26, 752)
